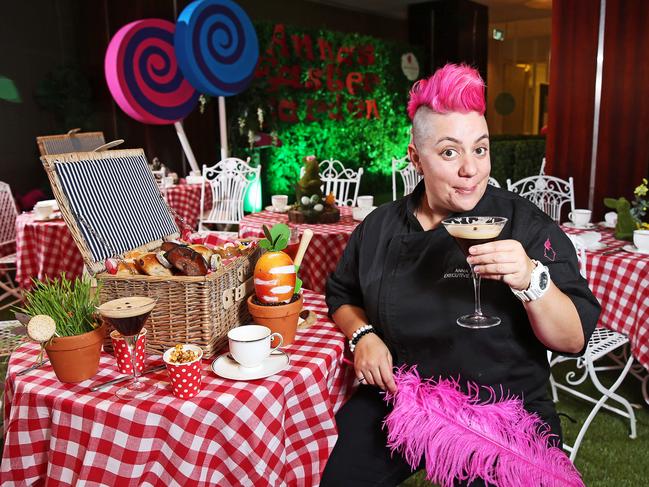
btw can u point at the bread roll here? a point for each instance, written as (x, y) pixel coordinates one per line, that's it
(134, 254)
(151, 266)
(126, 268)
(227, 250)
(204, 251)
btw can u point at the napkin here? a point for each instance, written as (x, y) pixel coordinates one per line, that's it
(589, 240)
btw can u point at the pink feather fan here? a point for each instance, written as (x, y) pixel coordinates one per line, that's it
(463, 438)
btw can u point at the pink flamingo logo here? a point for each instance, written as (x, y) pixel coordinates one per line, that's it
(548, 251)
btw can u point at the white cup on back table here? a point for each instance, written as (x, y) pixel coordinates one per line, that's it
(250, 344)
(279, 201)
(580, 218)
(610, 218)
(641, 240)
(365, 201)
(43, 209)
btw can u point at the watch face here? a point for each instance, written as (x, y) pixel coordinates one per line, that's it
(543, 280)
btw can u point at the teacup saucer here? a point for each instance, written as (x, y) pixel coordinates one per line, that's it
(272, 208)
(596, 246)
(54, 216)
(635, 250)
(580, 227)
(606, 225)
(226, 367)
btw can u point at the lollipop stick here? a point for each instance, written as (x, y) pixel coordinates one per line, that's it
(223, 128)
(304, 244)
(180, 131)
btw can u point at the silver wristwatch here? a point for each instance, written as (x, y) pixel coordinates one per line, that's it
(539, 284)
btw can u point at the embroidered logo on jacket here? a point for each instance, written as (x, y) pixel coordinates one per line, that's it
(458, 273)
(548, 251)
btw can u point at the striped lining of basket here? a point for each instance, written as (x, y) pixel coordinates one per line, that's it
(116, 203)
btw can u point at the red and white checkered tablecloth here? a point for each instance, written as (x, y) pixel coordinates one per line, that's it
(329, 241)
(44, 249)
(620, 281)
(274, 431)
(185, 199)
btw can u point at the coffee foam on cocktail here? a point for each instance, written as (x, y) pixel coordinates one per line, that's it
(476, 231)
(127, 307)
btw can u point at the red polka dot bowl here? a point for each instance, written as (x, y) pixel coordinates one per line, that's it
(185, 378)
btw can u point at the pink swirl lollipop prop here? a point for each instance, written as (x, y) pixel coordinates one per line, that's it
(144, 78)
(217, 50)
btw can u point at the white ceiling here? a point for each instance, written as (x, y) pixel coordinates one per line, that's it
(499, 10)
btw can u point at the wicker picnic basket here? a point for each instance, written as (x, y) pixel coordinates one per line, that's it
(90, 186)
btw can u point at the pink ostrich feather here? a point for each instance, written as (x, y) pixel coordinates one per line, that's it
(462, 438)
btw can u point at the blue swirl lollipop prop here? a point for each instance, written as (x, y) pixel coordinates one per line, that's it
(216, 47)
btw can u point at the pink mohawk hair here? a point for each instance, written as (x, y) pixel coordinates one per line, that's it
(453, 88)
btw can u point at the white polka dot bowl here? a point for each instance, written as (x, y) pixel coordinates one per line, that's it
(185, 378)
(123, 354)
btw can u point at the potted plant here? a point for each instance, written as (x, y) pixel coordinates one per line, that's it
(276, 302)
(64, 320)
(311, 205)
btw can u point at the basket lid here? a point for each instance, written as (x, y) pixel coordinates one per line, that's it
(110, 202)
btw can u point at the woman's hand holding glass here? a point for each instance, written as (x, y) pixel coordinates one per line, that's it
(502, 260)
(373, 361)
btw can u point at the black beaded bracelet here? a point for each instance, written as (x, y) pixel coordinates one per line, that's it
(358, 334)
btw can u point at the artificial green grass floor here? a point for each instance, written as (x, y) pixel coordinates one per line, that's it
(607, 456)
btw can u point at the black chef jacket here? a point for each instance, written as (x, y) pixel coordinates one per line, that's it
(414, 284)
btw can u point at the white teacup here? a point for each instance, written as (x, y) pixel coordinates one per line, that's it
(365, 201)
(43, 211)
(279, 201)
(610, 218)
(641, 240)
(580, 218)
(250, 344)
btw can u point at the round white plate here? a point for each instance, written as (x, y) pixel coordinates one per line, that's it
(586, 227)
(605, 225)
(226, 367)
(54, 216)
(633, 249)
(596, 246)
(272, 208)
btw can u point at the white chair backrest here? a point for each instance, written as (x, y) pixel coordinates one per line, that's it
(343, 182)
(8, 213)
(494, 182)
(549, 193)
(542, 170)
(228, 181)
(409, 176)
(71, 142)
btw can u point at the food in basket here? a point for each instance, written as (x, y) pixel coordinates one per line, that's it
(203, 250)
(228, 250)
(151, 266)
(126, 268)
(167, 246)
(181, 356)
(133, 254)
(187, 261)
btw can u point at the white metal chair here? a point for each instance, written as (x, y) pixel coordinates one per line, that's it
(228, 181)
(549, 193)
(494, 182)
(343, 182)
(408, 173)
(73, 141)
(8, 213)
(602, 342)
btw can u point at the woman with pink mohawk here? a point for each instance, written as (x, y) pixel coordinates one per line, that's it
(402, 282)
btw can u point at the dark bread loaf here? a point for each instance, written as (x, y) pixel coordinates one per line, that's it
(187, 261)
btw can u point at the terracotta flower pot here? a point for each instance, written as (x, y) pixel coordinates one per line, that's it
(280, 318)
(76, 358)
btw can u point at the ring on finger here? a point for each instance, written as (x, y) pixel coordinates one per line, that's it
(361, 378)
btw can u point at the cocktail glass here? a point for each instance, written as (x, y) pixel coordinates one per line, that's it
(128, 316)
(467, 232)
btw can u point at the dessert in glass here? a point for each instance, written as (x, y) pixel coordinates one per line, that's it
(467, 232)
(128, 316)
